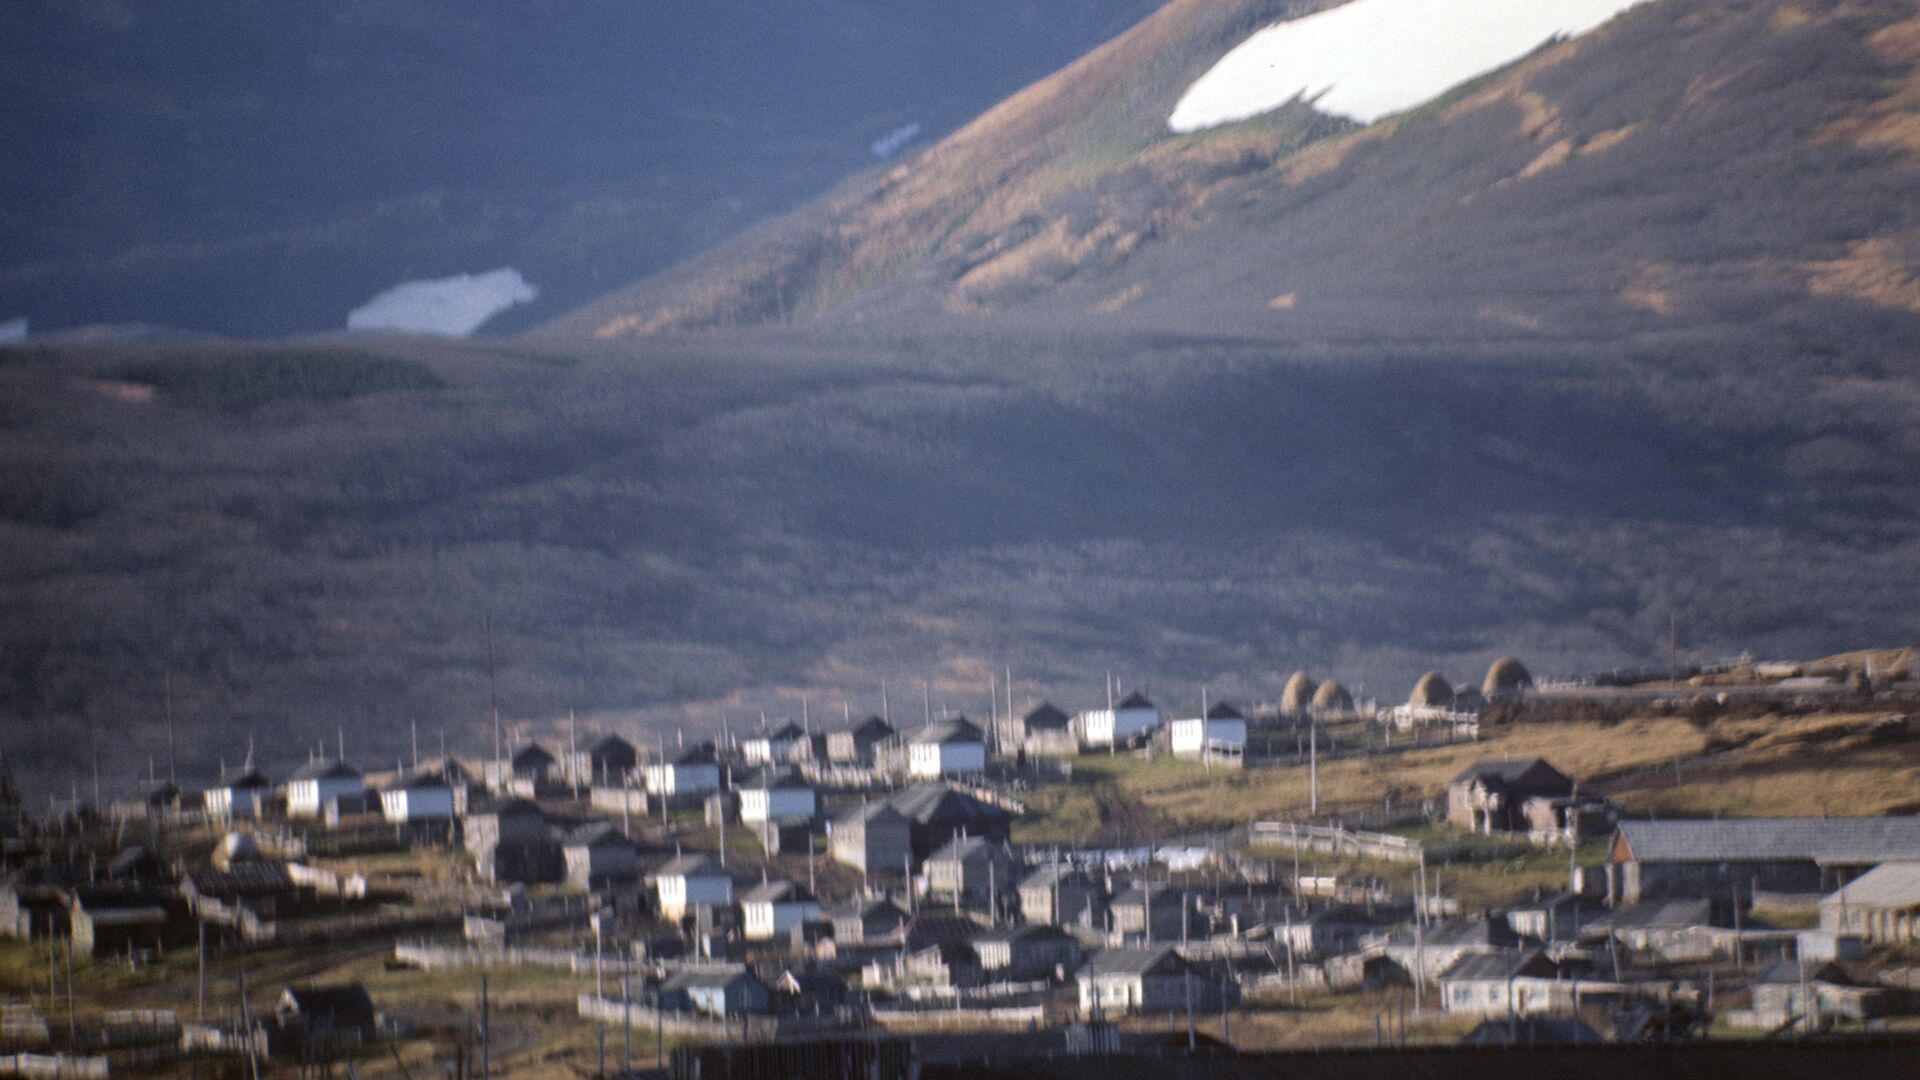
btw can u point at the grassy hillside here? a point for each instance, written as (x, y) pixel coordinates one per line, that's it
(1690, 168)
(686, 532)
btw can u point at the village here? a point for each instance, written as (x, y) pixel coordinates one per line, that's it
(1728, 852)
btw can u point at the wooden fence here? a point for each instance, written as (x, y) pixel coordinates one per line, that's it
(437, 957)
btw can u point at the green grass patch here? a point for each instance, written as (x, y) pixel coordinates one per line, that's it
(245, 381)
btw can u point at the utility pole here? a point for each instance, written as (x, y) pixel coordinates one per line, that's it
(173, 776)
(486, 1032)
(493, 697)
(1313, 766)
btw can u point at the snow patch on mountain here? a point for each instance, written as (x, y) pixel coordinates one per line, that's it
(448, 307)
(1373, 58)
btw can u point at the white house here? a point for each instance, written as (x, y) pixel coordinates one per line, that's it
(1222, 733)
(239, 794)
(772, 909)
(1120, 724)
(319, 782)
(779, 796)
(696, 772)
(948, 748)
(772, 746)
(691, 881)
(424, 796)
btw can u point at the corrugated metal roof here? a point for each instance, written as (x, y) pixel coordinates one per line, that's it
(1821, 840)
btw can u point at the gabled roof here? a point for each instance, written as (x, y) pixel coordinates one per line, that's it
(701, 753)
(866, 908)
(507, 808)
(778, 778)
(243, 778)
(1135, 700)
(927, 929)
(776, 891)
(872, 729)
(323, 769)
(1223, 711)
(1045, 876)
(692, 864)
(1471, 932)
(1787, 973)
(343, 1006)
(1657, 915)
(1506, 964)
(708, 980)
(1156, 961)
(1889, 885)
(942, 732)
(940, 805)
(1045, 717)
(1829, 841)
(785, 731)
(1512, 771)
(611, 743)
(869, 811)
(420, 781)
(1535, 1030)
(1136, 896)
(965, 847)
(530, 753)
(596, 834)
(1024, 934)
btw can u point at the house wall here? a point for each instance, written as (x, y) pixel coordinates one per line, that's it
(946, 759)
(1647, 881)
(306, 797)
(764, 921)
(417, 804)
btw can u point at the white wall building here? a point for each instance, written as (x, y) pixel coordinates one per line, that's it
(1134, 716)
(1221, 733)
(771, 747)
(241, 794)
(421, 797)
(695, 772)
(772, 909)
(691, 881)
(779, 796)
(319, 782)
(948, 748)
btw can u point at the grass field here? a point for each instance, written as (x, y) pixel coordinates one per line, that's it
(1113, 796)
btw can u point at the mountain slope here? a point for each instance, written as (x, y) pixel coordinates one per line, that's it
(254, 169)
(1686, 164)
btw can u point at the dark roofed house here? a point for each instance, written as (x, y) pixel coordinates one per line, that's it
(856, 745)
(1115, 982)
(774, 745)
(1062, 895)
(871, 921)
(1026, 952)
(935, 812)
(873, 837)
(1809, 993)
(533, 762)
(1046, 731)
(598, 854)
(313, 784)
(973, 871)
(1489, 796)
(1650, 859)
(1497, 982)
(1525, 1031)
(317, 1018)
(725, 992)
